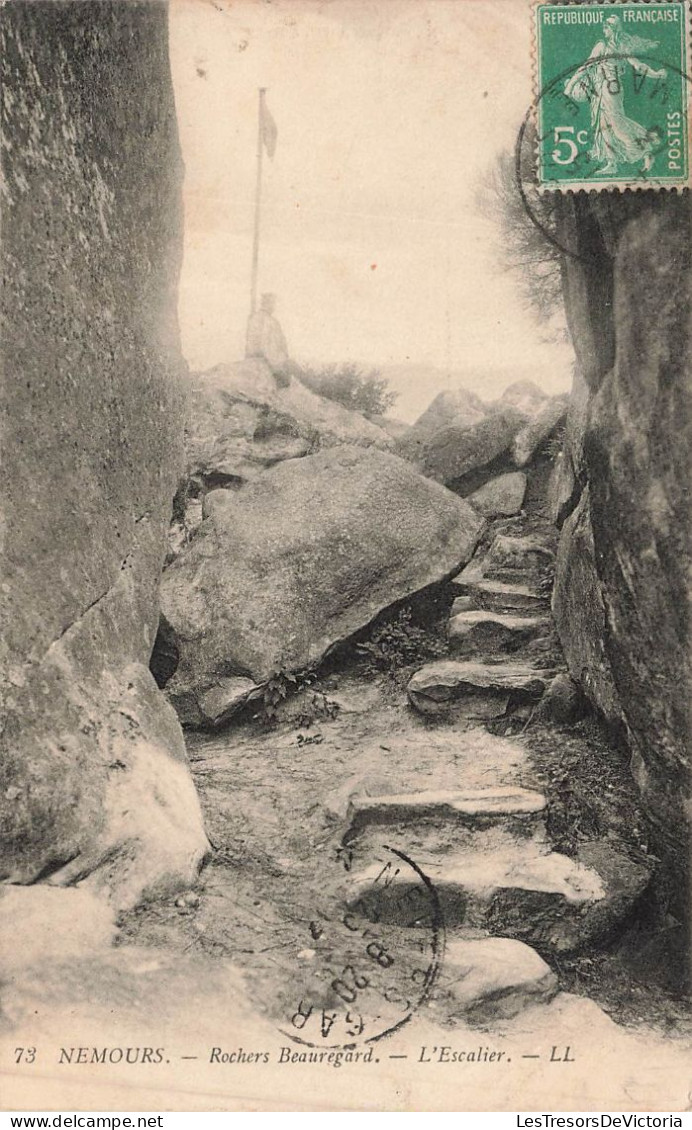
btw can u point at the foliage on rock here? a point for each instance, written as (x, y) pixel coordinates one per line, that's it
(399, 643)
(350, 386)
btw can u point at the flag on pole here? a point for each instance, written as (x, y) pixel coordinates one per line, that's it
(269, 130)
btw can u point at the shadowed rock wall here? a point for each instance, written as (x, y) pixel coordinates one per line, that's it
(628, 302)
(93, 777)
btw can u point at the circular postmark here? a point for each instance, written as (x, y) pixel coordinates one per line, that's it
(561, 130)
(373, 958)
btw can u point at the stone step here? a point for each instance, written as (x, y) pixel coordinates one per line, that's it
(513, 559)
(486, 979)
(469, 805)
(525, 891)
(504, 596)
(477, 630)
(509, 554)
(474, 689)
(481, 571)
(439, 823)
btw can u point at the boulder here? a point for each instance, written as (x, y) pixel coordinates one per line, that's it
(579, 612)
(563, 701)
(240, 418)
(510, 885)
(229, 440)
(303, 557)
(461, 409)
(213, 707)
(530, 916)
(529, 439)
(454, 451)
(94, 780)
(525, 396)
(487, 979)
(500, 497)
(503, 804)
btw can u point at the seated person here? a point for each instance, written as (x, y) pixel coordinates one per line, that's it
(265, 339)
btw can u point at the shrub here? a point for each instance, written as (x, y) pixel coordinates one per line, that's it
(284, 683)
(399, 643)
(353, 388)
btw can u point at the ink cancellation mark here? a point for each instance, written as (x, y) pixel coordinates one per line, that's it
(612, 101)
(376, 959)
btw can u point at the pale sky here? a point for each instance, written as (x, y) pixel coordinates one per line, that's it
(389, 112)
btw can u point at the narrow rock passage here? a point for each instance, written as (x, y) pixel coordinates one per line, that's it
(299, 813)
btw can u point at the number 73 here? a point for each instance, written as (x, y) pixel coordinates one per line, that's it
(568, 154)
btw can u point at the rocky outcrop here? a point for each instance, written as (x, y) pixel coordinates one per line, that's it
(509, 556)
(627, 290)
(230, 439)
(459, 409)
(300, 559)
(94, 784)
(452, 452)
(525, 396)
(241, 421)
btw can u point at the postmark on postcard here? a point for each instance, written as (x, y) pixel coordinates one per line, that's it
(376, 960)
(612, 97)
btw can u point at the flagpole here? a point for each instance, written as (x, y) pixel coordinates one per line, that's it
(258, 195)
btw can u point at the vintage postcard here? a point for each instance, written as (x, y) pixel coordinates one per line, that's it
(345, 557)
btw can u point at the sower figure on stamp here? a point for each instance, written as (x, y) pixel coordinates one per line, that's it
(265, 339)
(617, 138)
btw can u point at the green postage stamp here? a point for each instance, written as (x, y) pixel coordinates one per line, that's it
(612, 95)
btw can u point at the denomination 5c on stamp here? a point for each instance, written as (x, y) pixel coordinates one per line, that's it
(613, 95)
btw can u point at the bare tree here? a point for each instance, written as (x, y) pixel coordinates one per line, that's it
(525, 220)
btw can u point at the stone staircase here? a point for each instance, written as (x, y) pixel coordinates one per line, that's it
(486, 852)
(488, 857)
(502, 607)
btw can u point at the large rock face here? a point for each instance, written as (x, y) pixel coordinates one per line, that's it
(94, 781)
(628, 301)
(579, 612)
(301, 558)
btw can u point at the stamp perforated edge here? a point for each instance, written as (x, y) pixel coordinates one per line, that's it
(588, 187)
